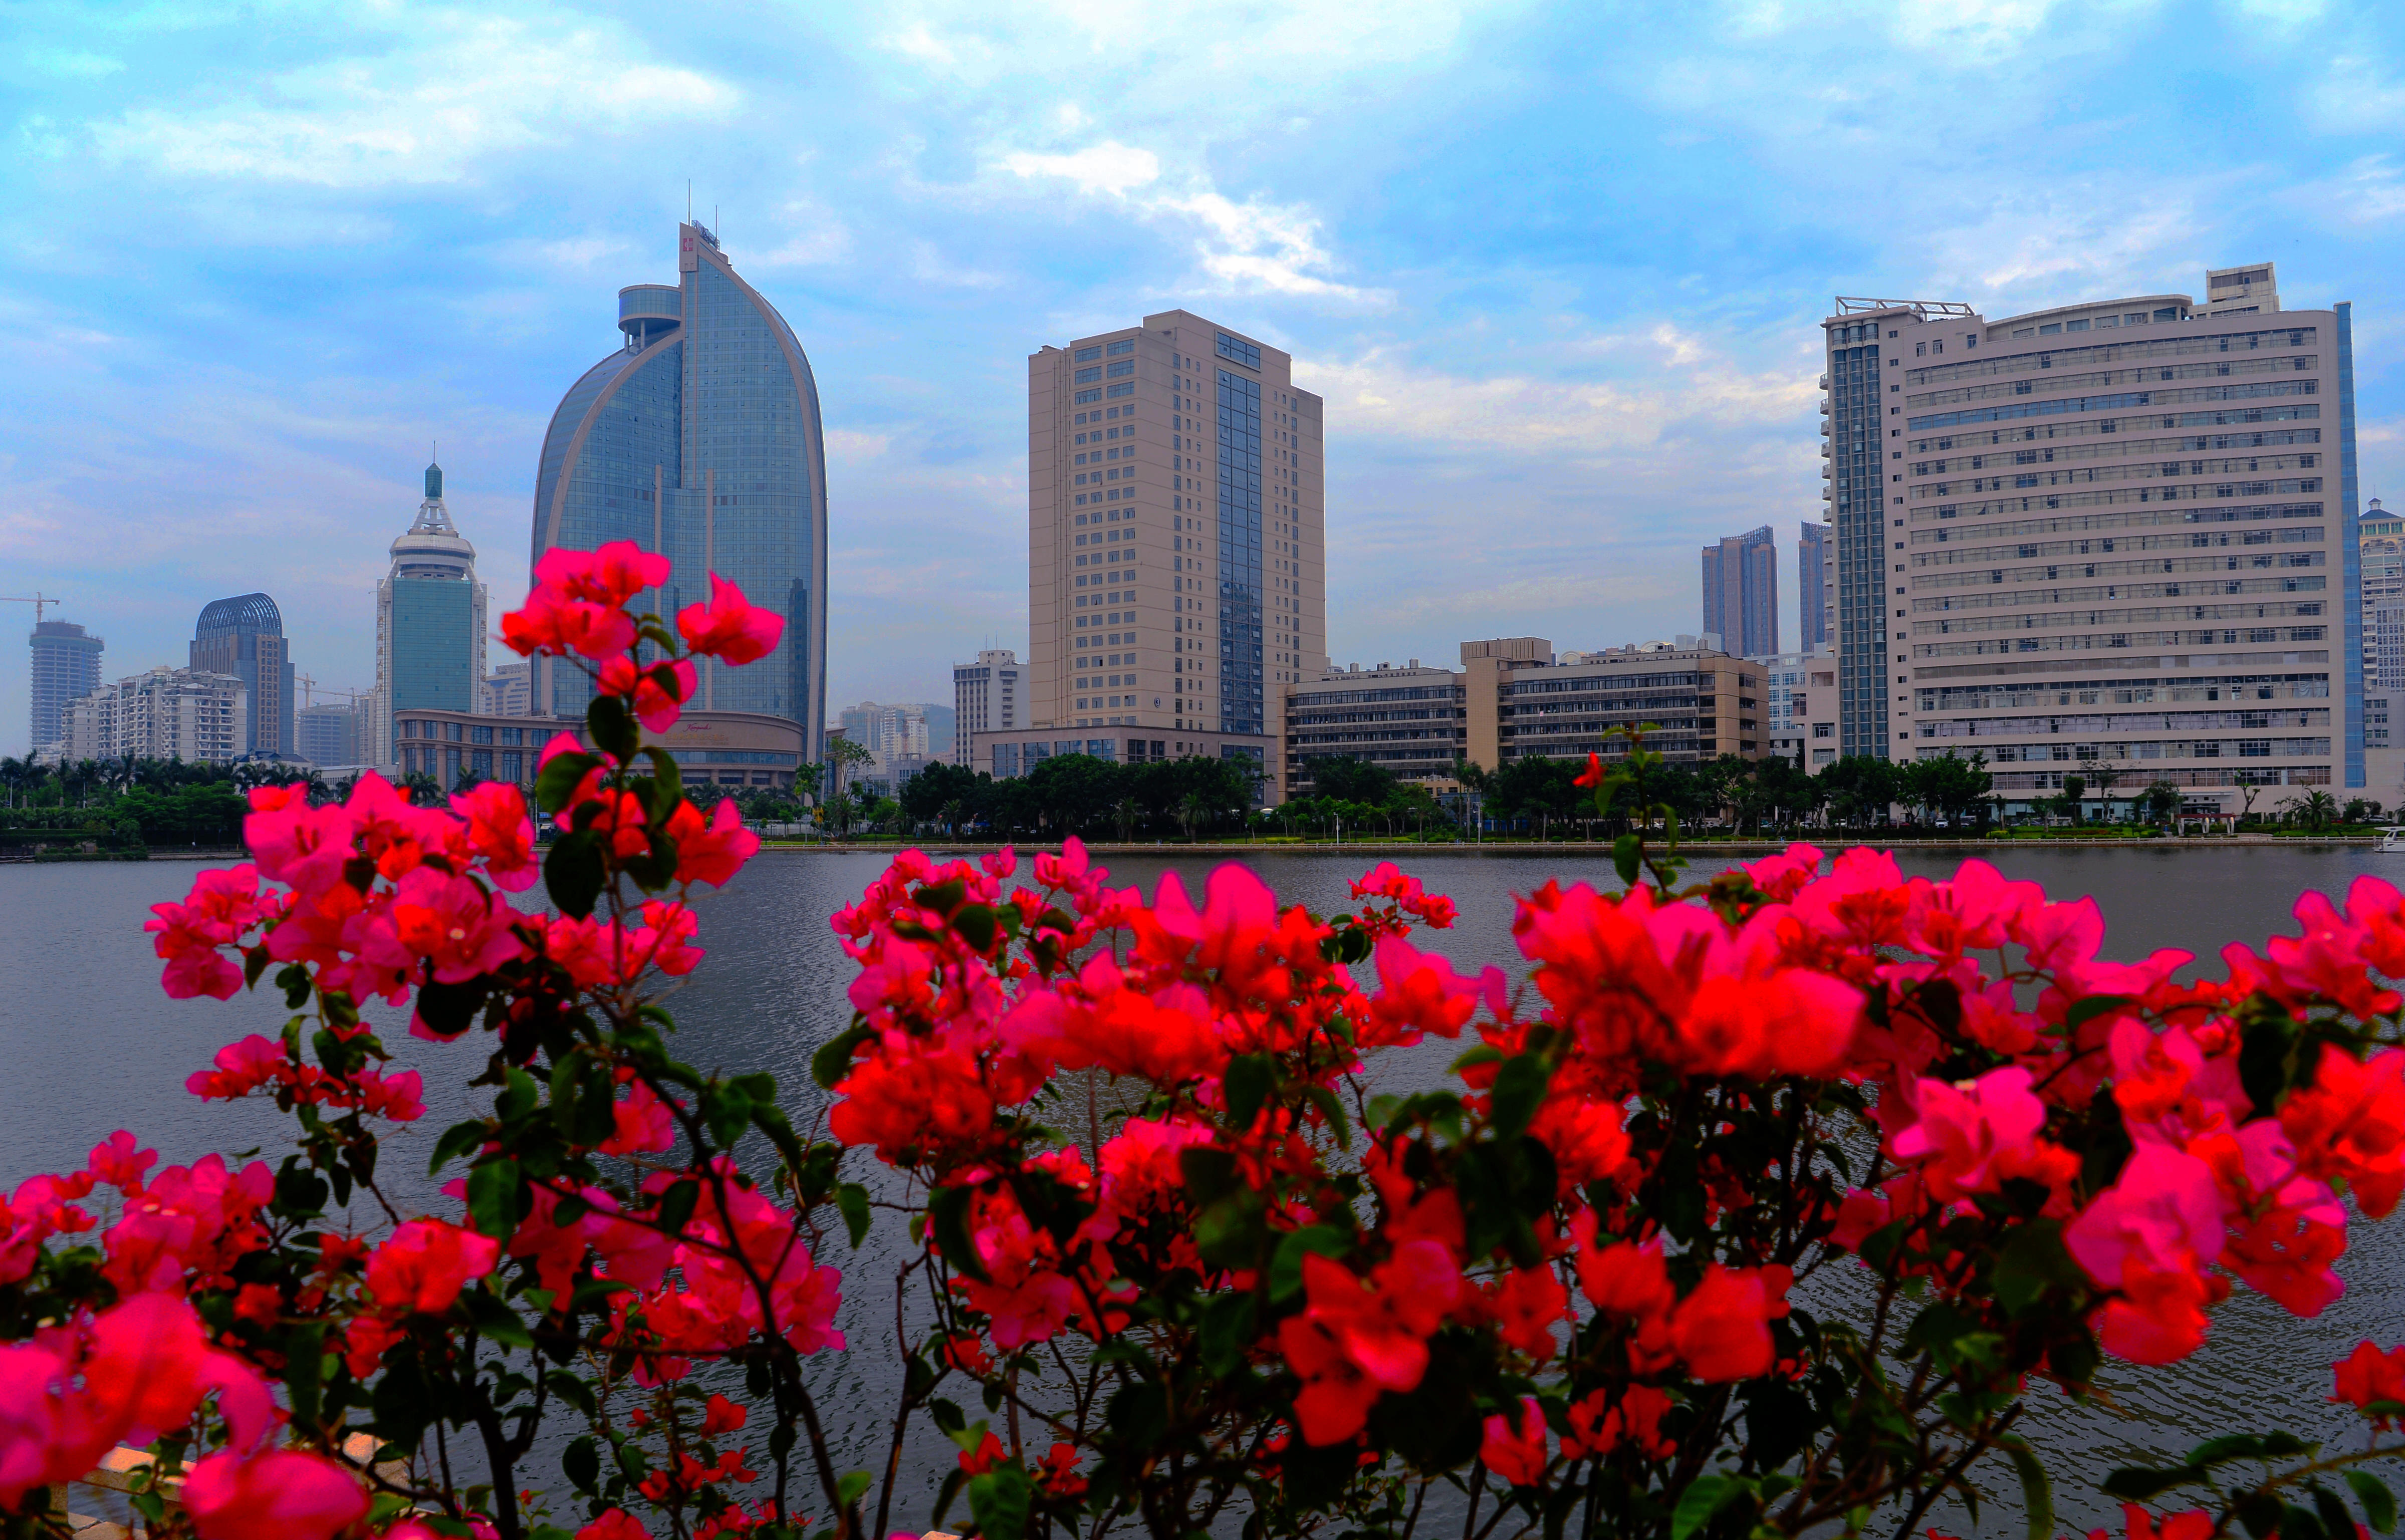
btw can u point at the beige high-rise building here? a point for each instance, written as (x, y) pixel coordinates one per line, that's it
(1177, 518)
(2112, 539)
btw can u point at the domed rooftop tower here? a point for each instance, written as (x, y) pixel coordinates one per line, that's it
(430, 625)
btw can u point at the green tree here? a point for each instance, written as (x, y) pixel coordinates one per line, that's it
(1948, 785)
(1349, 779)
(1860, 789)
(2161, 802)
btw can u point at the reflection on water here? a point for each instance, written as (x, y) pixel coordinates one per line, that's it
(93, 1046)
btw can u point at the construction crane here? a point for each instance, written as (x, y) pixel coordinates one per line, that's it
(39, 600)
(308, 685)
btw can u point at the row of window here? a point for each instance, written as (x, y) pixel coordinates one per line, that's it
(2300, 412)
(2148, 471)
(2117, 641)
(2199, 748)
(2128, 449)
(1999, 575)
(2098, 379)
(2105, 353)
(2024, 597)
(2211, 687)
(2175, 395)
(2254, 513)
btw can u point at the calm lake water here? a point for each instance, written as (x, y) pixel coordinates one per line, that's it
(96, 1048)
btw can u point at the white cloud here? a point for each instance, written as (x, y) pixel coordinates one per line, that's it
(2358, 95)
(1679, 388)
(458, 87)
(1253, 247)
(1111, 168)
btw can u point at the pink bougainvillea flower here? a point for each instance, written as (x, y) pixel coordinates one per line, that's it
(284, 1494)
(426, 1262)
(729, 627)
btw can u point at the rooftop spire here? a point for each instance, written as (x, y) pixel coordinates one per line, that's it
(434, 473)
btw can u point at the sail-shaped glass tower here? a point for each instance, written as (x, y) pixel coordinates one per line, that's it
(701, 438)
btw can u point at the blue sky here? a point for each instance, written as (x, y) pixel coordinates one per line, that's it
(1556, 270)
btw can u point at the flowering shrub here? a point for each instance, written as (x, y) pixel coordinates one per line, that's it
(1758, 1208)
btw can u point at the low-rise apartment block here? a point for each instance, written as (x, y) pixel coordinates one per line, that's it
(165, 714)
(1411, 720)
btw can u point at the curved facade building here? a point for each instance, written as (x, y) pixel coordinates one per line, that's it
(701, 438)
(243, 638)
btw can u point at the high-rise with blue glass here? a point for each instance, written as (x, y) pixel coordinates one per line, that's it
(699, 436)
(429, 626)
(2109, 543)
(1176, 520)
(243, 638)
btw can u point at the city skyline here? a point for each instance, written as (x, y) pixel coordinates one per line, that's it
(260, 295)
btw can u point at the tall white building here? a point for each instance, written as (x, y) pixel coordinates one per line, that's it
(986, 699)
(1177, 566)
(165, 714)
(2113, 539)
(429, 626)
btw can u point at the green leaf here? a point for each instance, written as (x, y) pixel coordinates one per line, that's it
(1249, 1080)
(1285, 1266)
(560, 777)
(494, 1190)
(573, 874)
(851, 1201)
(2331, 1508)
(612, 727)
(1519, 1091)
(2088, 1009)
(304, 1361)
(1704, 1498)
(999, 1501)
(2379, 1505)
(833, 1060)
(676, 1205)
(1485, 1053)
(1624, 862)
(2141, 1484)
(1228, 1330)
(2037, 1493)
(947, 1212)
(2033, 1261)
(848, 1487)
(1210, 1173)
(1331, 1107)
(495, 1319)
(2233, 1446)
(580, 1462)
(976, 925)
(668, 777)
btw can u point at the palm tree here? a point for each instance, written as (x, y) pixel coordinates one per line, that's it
(2315, 810)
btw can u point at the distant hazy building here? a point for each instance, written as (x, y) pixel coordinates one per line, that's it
(508, 691)
(430, 625)
(2121, 530)
(2380, 541)
(699, 438)
(1816, 586)
(986, 699)
(66, 667)
(329, 735)
(1741, 592)
(165, 714)
(721, 748)
(243, 637)
(894, 735)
